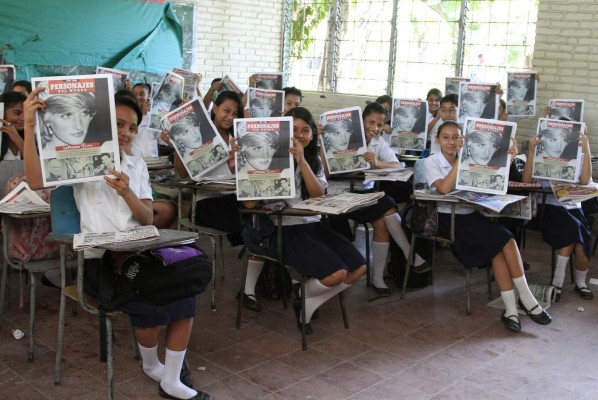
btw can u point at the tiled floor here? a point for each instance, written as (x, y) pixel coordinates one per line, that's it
(423, 347)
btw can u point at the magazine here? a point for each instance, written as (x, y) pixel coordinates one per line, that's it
(451, 85)
(485, 159)
(92, 239)
(558, 156)
(269, 81)
(164, 100)
(264, 165)
(229, 85)
(477, 100)
(389, 174)
(192, 79)
(23, 200)
(568, 193)
(523, 209)
(195, 138)
(7, 78)
(118, 77)
(76, 134)
(343, 140)
(265, 103)
(544, 294)
(408, 122)
(521, 93)
(339, 202)
(494, 202)
(572, 109)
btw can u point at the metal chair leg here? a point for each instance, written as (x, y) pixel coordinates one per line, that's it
(303, 317)
(367, 255)
(221, 258)
(109, 359)
(61, 315)
(31, 315)
(4, 289)
(135, 347)
(241, 292)
(468, 288)
(410, 260)
(489, 280)
(341, 299)
(213, 298)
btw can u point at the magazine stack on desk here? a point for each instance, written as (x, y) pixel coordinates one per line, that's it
(389, 174)
(92, 239)
(570, 193)
(339, 202)
(23, 200)
(494, 202)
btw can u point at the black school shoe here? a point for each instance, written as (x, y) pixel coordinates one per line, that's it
(250, 301)
(584, 292)
(543, 318)
(511, 324)
(199, 396)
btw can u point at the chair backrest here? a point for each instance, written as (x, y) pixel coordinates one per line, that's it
(63, 211)
(419, 175)
(8, 169)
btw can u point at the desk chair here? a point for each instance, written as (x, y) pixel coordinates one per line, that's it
(65, 223)
(419, 182)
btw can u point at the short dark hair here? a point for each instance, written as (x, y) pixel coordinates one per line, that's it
(216, 80)
(448, 123)
(373, 108)
(450, 98)
(127, 101)
(435, 92)
(384, 99)
(25, 84)
(11, 98)
(292, 90)
(144, 85)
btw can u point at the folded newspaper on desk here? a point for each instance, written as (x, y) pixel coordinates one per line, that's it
(339, 202)
(23, 200)
(494, 202)
(571, 193)
(93, 239)
(389, 174)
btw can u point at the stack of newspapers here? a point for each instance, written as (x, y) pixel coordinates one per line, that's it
(93, 239)
(389, 174)
(494, 202)
(23, 200)
(339, 202)
(567, 192)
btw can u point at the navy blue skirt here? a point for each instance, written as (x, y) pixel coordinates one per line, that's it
(477, 239)
(375, 211)
(317, 251)
(562, 227)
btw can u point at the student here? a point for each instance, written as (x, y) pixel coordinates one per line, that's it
(566, 228)
(479, 241)
(327, 258)
(433, 98)
(215, 86)
(12, 126)
(292, 98)
(447, 112)
(117, 204)
(145, 143)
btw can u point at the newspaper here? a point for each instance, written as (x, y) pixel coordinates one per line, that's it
(545, 296)
(93, 239)
(76, 133)
(523, 209)
(477, 100)
(494, 202)
(571, 109)
(558, 156)
(568, 193)
(23, 200)
(339, 202)
(485, 160)
(408, 122)
(269, 81)
(192, 79)
(164, 100)
(521, 93)
(7, 78)
(229, 85)
(118, 77)
(389, 174)
(451, 85)
(264, 166)
(343, 140)
(265, 103)
(195, 138)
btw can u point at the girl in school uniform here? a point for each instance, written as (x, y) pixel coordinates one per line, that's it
(383, 216)
(116, 204)
(328, 259)
(12, 126)
(479, 241)
(566, 228)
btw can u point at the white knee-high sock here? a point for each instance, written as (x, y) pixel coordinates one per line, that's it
(526, 296)
(393, 224)
(254, 268)
(508, 297)
(380, 252)
(151, 363)
(171, 382)
(313, 302)
(580, 278)
(559, 271)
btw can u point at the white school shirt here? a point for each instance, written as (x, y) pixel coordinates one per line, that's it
(10, 156)
(222, 170)
(103, 210)
(434, 146)
(383, 152)
(145, 142)
(437, 167)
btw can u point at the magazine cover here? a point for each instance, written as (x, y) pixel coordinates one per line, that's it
(265, 103)
(264, 166)
(559, 154)
(195, 138)
(451, 85)
(485, 158)
(521, 94)
(192, 79)
(118, 77)
(269, 81)
(572, 193)
(7, 78)
(228, 84)
(572, 109)
(519, 210)
(408, 122)
(168, 97)
(477, 100)
(76, 134)
(343, 140)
